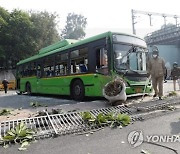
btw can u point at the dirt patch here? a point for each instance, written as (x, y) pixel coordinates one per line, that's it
(17, 114)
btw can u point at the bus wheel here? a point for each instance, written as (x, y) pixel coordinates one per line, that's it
(28, 88)
(77, 90)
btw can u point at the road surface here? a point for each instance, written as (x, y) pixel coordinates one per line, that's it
(106, 141)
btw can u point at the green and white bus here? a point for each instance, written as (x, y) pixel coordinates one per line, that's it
(82, 68)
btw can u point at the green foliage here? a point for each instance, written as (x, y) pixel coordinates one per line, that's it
(35, 104)
(44, 28)
(5, 112)
(23, 34)
(111, 118)
(75, 26)
(87, 117)
(20, 134)
(123, 119)
(101, 119)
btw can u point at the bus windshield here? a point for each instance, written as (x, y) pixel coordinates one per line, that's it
(129, 57)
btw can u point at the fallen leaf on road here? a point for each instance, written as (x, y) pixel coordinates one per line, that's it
(22, 149)
(6, 146)
(145, 152)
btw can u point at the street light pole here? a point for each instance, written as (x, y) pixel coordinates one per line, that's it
(150, 14)
(133, 23)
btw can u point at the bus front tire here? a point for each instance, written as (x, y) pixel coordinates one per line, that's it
(28, 88)
(77, 90)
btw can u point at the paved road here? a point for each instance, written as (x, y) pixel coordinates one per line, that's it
(12, 100)
(102, 142)
(109, 141)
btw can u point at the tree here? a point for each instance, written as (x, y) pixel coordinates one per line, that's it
(23, 34)
(17, 42)
(75, 26)
(45, 28)
(4, 18)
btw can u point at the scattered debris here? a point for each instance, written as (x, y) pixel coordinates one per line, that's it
(23, 146)
(142, 109)
(145, 152)
(57, 111)
(6, 146)
(40, 113)
(35, 104)
(172, 93)
(53, 111)
(171, 108)
(75, 110)
(5, 112)
(90, 132)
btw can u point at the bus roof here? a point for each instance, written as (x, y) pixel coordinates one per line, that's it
(66, 44)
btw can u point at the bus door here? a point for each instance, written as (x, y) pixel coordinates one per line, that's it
(99, 65)
(98, 59)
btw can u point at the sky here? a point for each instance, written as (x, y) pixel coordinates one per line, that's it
(103, 15)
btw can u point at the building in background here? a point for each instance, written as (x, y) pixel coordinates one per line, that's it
(167, 39)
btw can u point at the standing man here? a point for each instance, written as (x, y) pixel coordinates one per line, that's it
(157, 71)
(175, 74)
(5, 84)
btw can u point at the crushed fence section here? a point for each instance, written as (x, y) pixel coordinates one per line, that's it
(61, 124)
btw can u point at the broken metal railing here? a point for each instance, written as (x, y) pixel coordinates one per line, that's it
(61, 124)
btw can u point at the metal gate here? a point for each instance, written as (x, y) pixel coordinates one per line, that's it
(60, 124)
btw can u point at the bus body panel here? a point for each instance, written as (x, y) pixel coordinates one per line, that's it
(93, 83)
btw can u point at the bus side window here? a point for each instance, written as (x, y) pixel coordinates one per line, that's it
(33, 69)
(101, 61)
(38, 71)
(61, 64)
(79, 61)
(48, 67)
(26, 70)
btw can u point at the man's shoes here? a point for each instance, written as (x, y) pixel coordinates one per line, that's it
(160, 98)
(154, 95)
(165, 81)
